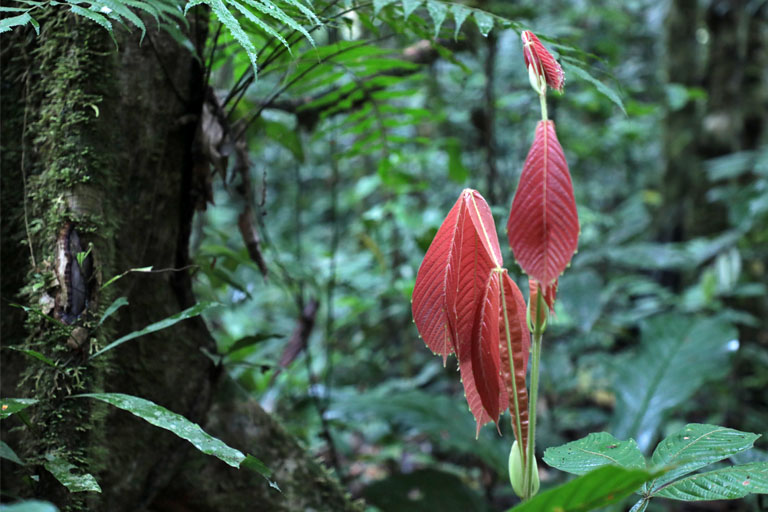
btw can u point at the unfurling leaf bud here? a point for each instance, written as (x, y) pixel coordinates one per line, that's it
(517, 472)
(542, 66)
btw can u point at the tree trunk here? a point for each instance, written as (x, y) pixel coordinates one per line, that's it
(98, 147)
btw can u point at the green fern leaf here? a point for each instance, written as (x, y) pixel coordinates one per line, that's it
(229, 21)
(93, 16)
(306, 11)
(460, 13)
(484, 21)
(258, 22)
(437, 11)
(378, 5)
(272, 10)
(409, 6)
(14, 21)
(122, 10)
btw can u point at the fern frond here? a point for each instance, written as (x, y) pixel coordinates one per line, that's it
(15, 21)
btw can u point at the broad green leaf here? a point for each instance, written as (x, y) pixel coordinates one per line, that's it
(484, 21)
(62, 471)
(117, 304)
(722, 484)
(595, 450)
(10, 406)
(161, 417)
(437, 11)
(695, 446)
(158, 326)
(460, 13)
(678, 355)
(612, 95)
(29, 506)
(598, 488)
(34, 353)
(6, 452)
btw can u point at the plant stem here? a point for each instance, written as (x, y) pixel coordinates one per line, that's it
(538, 331)
(516, 425)
(543, 102)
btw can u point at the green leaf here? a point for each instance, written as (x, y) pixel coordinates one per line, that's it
(378, 5)
(34, 353)
(678, 354)
(695, 446)
(6, 452)
(598, 488)
(62, 471)
(484, 21)
(437, 11)
(22, 19)
(274, 11)
(158, 326)
(10, 406)
(93, 16)
(258, 21)
(722, 484)
(29, 506)
(609, 93)
(229, 21)
(595, 450)
(117, 304)
(259, 467)
(249, 341)
(161, 417)
(409, 6)
(460, 13)
(141, 269)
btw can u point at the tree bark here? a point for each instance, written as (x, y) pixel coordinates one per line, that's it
(99, 140)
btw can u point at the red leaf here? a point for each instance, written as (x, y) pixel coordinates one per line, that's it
(484, 350)
(430, 310)
(455, 304)
(550, 293)
(543, 226)
(536, 55)
(512, 316)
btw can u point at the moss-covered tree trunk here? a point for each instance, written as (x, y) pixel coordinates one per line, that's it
(98, 149)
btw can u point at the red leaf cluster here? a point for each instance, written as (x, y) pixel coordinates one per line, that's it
(464, 303)
(543, 226)
(543, 63)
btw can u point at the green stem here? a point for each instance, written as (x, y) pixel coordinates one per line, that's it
(543, 103)
(538, 331)
(516, 419)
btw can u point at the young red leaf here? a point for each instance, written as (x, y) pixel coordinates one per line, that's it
(550, 293)
(456, 303)
(543, 63)
(471, 267)
(484, 349)
(429, 306)
(543, 226)
(512, 322)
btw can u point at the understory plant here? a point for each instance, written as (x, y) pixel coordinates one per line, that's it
(465, 303)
